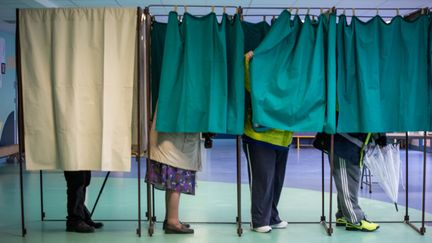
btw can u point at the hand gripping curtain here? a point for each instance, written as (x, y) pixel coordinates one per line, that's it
(78, 71)
(202, 80)
(383, 81)
(293, 75)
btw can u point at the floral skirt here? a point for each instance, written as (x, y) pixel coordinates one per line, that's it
(166, 177)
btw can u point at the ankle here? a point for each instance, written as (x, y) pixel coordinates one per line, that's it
(173, 222)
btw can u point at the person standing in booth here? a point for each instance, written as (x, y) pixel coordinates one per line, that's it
(347, 164)
(266, 151)
(175, 159)
(78, 219)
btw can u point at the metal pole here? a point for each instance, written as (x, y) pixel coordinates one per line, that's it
(323, 217)
(20, 121)
(146, 74)
(330, 229)
(41, 195)
(239, 219)
(423, 229)
(100, 193)
(406, 218)
(238, 151)
(138, 152)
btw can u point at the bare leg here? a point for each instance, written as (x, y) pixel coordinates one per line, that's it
(172, 200)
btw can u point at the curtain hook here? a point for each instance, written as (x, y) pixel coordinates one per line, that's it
(264, 18)
(290, 10)
(297, 10)
(175, 8)
(224, 9)
(212, 9)
(308, 10)
(343, 12)
(422, 11)
(397, 11)
(353, 11)
(377, 11)
(321, 10)
(185, 8)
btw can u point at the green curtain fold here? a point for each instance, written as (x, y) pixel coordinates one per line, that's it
(158, 32)
(430, 68)
(383, 83)
(293, 75)
(202, 80)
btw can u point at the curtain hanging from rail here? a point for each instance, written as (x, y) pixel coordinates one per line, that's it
(430, 69)
(293, 75)
(202, 80)
(78, 72)
(383, 81)
(158, 33)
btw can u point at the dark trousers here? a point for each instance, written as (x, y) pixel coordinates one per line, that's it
(266, 177)
(77, 182)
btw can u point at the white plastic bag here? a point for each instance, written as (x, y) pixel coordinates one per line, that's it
(384, 164)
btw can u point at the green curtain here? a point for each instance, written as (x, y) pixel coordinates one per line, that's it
(236, 88)
(383, 81)
(158, 32)
(202, 80)
(254, 33)
(430, 68)
(293, 79)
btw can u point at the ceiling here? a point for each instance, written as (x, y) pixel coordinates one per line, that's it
(7, 7)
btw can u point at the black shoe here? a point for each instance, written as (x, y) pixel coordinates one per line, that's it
(182, 223)
(174, 230)
(79, 227)
(96, 225)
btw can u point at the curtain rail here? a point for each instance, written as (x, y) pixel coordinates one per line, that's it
(244, 15)
(267, 8)
(318, 8)
(291, 8)
(275, 15)
(190, 6)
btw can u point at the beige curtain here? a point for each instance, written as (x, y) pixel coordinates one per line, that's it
(78, 71)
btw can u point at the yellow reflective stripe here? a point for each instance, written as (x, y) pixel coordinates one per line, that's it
(363, 147)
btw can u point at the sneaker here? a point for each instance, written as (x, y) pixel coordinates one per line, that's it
(281, 225)
(364, 225)
(262, 229)
(341, 221)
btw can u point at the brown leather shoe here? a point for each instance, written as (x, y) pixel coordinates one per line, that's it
(182, 223)
(79, 227)
(170, 229)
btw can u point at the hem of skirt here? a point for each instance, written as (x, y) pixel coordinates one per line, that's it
(162, 187)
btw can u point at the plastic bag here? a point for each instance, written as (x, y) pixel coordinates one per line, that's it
(384, 164)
